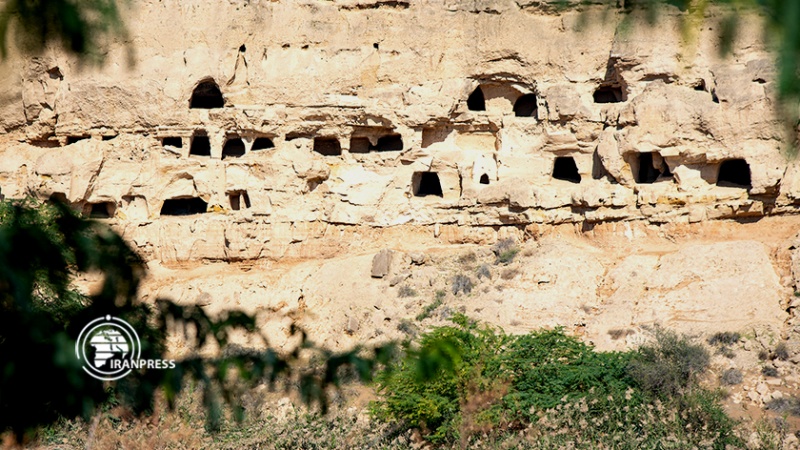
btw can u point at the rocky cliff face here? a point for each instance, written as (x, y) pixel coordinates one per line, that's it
(287, 128)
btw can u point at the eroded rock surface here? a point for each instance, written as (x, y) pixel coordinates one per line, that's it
(265, 134)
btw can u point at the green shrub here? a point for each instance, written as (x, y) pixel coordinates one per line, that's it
(505, 250)
(470, 383)
(426, 387)
(724, 338)
(431, 307)
(669, 365)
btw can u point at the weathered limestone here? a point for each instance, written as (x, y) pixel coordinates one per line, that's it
(369, 125)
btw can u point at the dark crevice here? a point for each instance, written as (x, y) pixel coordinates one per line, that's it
(183, 206)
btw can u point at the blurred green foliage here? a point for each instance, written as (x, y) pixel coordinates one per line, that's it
(78, 26)
(43, 247)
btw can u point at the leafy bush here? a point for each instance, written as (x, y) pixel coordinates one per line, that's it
(731, 377)
(406, 291)
(467, 259)
(781, 352)
(466, 378)
(784, 405)
(425, 388)
(769, 371)
(505, 250)
(724, 338)
(431, 307)
(462, 283)
(669, 365)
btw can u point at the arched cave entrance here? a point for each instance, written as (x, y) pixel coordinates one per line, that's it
(263, 143)
(525, 106)
(206, 96)
(426, 183)
(201, 145)
(476, 100)
(233, 148)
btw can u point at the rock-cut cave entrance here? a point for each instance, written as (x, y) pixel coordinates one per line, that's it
(564, 168)
(206, 96)
(734, 173)
(201, 145)
(262, 143)
(476, 100)
(239, 199)
(327, 146)
(426, 183)
(100, 210)
(183, 206)
(525, 106)
(648, 172)
(233, 148)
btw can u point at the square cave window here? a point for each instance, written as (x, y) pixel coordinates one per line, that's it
(564, 168)
(359, 145)
(609, 94)
(100, 210)
(233, 148)
(651, 168)
(327, 146)
(426, 183)
(238, 200)
(484, 179)
(183, 206)
(388, 143)
(173, 141)
(734, 173)
(262, 143)
(201, 145)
